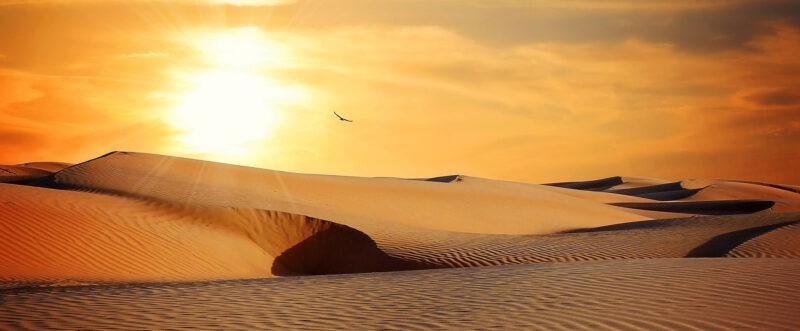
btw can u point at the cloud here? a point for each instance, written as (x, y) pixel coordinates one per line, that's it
(66, 118)
(16, 87)
(614, 4)
(15, 142)
(699, 26)
(594, 108)
(774, 97)
(696, 26)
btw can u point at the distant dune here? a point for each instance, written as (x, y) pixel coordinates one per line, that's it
(150, 223)
(28, 171)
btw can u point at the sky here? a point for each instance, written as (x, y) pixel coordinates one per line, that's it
(523, 90)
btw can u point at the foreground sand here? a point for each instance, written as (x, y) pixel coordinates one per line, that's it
(656, 294)
(151, 223)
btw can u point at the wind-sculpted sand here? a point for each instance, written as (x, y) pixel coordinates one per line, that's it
(119, 239)
(657, 294)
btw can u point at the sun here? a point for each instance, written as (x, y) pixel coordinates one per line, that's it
(230, 103)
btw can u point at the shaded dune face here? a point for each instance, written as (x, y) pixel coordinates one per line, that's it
(661, 192)
(336, 250)
(723, 207)
(51, 167)
(303, 245)
(781, 242)
(27, 172)
(591, 185)
(17, 174)
(697, 196)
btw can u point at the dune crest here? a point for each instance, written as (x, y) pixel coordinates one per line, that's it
(465, 206)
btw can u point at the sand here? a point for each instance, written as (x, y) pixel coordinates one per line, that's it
(656, 294)
(134, 240)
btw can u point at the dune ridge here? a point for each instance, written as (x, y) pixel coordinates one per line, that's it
(461, 208)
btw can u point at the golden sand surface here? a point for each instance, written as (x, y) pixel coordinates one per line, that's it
(654, 294)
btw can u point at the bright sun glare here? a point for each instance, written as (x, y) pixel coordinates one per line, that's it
(231, 104)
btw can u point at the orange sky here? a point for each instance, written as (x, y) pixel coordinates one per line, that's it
(532, 91)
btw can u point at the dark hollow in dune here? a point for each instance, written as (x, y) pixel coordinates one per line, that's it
(661, 192)
(338, 249)
(591, 185)
(724, 243)
(670, 195)
(444, 179)
(720, 207)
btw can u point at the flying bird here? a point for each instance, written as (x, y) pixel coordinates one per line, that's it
(342, 118)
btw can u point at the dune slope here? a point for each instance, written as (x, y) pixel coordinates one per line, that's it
(53, 234)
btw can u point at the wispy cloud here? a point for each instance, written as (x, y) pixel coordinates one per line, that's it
(615, 4)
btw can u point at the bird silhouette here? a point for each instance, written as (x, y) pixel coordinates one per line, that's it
(342, 118)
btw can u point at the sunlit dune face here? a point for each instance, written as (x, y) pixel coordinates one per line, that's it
(231, 104)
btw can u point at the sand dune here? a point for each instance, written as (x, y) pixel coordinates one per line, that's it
(592, 185)
(15, 173)
(51, 234)
(79, 234)
(661, 192)
(458, 206)
(720, 207)
(46, 166)
(130, 216)
(54, 234)
(25, 172)
(670, 238)
(659, 294)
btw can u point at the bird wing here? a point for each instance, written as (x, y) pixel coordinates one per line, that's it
(337, 115)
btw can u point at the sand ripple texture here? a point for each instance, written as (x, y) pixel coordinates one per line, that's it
(781, 242)
(658, 294)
